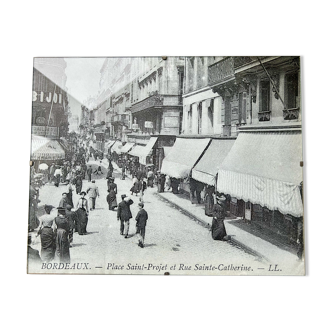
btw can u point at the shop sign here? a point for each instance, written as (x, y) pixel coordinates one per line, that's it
(148, 124)
(45, 131)
(47, 97)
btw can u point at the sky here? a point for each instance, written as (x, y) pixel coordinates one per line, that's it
(83, 75)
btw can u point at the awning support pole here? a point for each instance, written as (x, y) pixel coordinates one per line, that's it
(271, 80)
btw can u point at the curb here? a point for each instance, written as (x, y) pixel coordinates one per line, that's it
(207, 225)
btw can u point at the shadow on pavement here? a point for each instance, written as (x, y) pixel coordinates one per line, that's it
(150, 245)
(74, 245)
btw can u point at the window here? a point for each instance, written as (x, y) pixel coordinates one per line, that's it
(265, 96)
(210, 115)
(292, 90)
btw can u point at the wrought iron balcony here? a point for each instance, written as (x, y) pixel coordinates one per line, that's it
(264, 116)
(291, 114)
(149, 102)
(221, 71)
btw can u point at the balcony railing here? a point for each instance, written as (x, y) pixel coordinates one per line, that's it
(150, 102)
(291, 114)
(221, 71)
(264, 116)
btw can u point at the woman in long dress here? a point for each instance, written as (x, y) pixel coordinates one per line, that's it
(82, 214)
(218, 214)
(111, 199)
(62, 236)
(47, 235)
(208, 200)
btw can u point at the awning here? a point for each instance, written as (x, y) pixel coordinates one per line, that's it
(117, 147)
(148, 150)
(127, 147)
(43, 148)
(264, 168)
(109, 144)
(207, 168)
(167, 150)
(183, 156)
(137, 151)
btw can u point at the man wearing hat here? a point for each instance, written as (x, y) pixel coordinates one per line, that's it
(64, 200)
(93, 193)
(124, 214)
(218, 215)
(141, 219)
(72, 220)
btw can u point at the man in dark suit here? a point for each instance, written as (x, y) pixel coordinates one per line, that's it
(141, 219)
(89, 172)
(124, 214)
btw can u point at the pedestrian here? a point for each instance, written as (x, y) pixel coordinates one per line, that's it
(70, 190)
(78, 183)
(123, 172)
(199, 189)
(111, 199)
(135, 185)
(72, 220)
(142, 187)
(141, 219)
(57, 175)
(192, 188)
(51, 172)
(111, 185)
(82, 214)
(98, 169)
(208, 200)
(150, 177)
(84, 170)
(62, 232)
(168, 182)
(64, 201)
(93, 194)
(124, 214)
(175, 185)
(218, 215)
(161, 182)
(89, 172)
(47, 235)
(33, 254)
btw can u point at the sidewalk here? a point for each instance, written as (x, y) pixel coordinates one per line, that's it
(251, 243)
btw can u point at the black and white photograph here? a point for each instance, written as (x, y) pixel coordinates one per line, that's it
(166, 165)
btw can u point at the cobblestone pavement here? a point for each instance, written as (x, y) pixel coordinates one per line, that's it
(172, 238)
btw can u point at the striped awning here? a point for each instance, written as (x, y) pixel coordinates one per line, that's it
(43, 148)
(183, 156)
(264, 168)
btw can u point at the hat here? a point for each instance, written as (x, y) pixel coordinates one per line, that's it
(68, 207)
(64, 194)
(93, 181)
(48, 208)
(221, 198)
(141, 204)
(123, 196)
(83, 193)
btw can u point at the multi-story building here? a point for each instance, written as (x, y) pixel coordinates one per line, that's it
(49, 109)
(242, 115)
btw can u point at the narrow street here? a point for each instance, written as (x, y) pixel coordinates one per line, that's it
(171, 237)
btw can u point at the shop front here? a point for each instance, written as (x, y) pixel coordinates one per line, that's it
(262, 174)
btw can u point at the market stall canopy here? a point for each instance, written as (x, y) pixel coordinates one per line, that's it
(207, 168)
(127, 147)
(264, 168)
(183, 156)
(43, 148)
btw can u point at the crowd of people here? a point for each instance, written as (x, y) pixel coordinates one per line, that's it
(57, 225)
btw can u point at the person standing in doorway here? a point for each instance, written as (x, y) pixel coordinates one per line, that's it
(141, 219)
(124, 214)
(218, 214)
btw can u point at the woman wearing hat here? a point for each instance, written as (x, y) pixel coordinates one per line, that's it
(47, 235)
(218, 215)
(62, 233)
(82, 214)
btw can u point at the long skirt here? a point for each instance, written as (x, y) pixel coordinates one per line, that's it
(150, 182)
(208, 205)
(47, 238)
(112, 204)
(62, 246)
(218, 229)
(82, 221)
